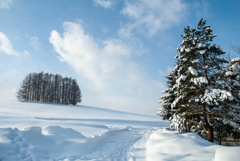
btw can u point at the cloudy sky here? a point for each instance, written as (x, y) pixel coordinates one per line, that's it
(118, 50)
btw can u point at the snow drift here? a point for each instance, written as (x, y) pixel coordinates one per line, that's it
(34, 131)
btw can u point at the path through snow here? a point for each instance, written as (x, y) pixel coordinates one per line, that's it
(43, 132)
(31, 131)
(57, 143)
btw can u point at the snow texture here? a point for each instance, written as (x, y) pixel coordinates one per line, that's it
(200, 45)
(202, 52)
(235, 60)
(193, 71)
(187, 50)
(34, 131)
(229, 73)
(234, 67)
(212, 97)
(181, 78)
(199, 80)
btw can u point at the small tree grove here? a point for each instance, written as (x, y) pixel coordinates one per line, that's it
(45, 87)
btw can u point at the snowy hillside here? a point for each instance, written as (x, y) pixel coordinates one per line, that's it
(33, 131)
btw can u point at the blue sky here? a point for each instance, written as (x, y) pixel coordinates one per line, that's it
(118, 50)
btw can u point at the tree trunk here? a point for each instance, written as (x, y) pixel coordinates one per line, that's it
(188, 127)
(210, 133)
(219, 140)
(219, 136)
(209, 127)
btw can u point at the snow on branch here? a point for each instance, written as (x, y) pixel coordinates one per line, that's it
(215, 95)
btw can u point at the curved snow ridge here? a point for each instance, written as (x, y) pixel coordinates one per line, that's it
(165, 144)
(227, 153)
(57, 143)
(111, 121)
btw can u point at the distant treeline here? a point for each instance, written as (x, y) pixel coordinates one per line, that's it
(45, 87)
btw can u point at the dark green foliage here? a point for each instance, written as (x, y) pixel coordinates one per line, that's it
(168, 98)
(198, 98)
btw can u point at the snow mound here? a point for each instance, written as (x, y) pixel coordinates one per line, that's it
(227, 153)
(165, 145)
(169, 145)
(58, 143)
(32, 131)
(35, 131)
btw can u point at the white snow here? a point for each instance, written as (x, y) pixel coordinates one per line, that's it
(227, 153)
(235, 60)
(168, 145)
(177, 122)
(233, 67)
(229, 73)
(199, 80)
(200, 45)
(214, 95)
(175, 102)
(202, 52)
(193, 71)
(187, 50)
(34, 131)
(196, 61)
(181, 78)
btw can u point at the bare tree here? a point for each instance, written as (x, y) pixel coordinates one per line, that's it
(45, 87)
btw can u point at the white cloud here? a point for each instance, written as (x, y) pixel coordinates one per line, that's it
(35, 43)
(97, 61)
(7, 48)
(148, 17)
(5, 3)
(107, 68)
(104, 3)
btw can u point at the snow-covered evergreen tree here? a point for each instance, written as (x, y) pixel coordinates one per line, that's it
(185, 89)
(166, 100)
(215, 92)
(201, 94)
(232, 77)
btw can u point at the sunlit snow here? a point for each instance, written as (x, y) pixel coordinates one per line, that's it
(35, 131)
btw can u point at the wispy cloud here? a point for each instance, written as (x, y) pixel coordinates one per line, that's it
(104, 3)
(97, 61)
(7, 48)
(5, 3)
(148, 17)
(201, 8)
(108, 67)
(35, 43)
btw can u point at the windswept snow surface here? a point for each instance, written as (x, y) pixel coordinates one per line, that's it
(44, 132)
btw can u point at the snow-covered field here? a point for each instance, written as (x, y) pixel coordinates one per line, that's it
(42, 132)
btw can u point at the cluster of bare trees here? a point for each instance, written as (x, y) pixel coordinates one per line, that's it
(45, 87)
